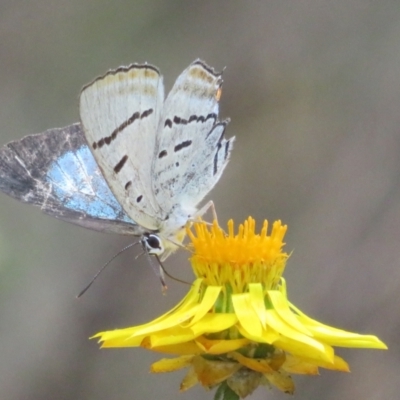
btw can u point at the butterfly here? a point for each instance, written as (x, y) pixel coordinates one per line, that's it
(136, 164)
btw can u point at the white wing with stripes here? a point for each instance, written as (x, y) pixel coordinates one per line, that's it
(120, 113)
(191, 151)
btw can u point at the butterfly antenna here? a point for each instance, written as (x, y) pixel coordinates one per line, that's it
(139, 255)
(104, 267)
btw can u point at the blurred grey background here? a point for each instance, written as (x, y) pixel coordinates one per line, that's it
(313, 90)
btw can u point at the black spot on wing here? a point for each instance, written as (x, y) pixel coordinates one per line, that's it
(211, 116)
(227, 144)
(182, 145)
(139, 198)
(216, 159)
(227, 147)
(193, 118)
(146, 113)
(180, 121)
(98, 144)
(135, 116)
(128, 185)
(162, 154)
(223, 123)
(120, 164)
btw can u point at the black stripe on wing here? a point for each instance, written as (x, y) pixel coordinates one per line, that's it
(56, 171)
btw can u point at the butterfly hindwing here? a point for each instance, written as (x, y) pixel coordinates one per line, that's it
(190, 113)
(207, 166)
(120, 113)
(56, 171)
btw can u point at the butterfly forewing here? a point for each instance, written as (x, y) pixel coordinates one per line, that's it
(190, 112)
(120, 113)
(56, 171)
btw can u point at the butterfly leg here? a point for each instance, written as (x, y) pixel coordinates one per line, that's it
(209, 205)
(203, 210)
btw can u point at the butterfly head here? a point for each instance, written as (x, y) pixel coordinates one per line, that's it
(162, 245)
(152, 244)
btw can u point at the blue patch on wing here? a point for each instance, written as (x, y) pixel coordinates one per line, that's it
(79, 185)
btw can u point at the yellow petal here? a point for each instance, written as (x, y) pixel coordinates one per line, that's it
(171, 336)
(169, 321)
(315, 351)
(188, 348)
(338, 337)
(171, 364)
(190, 299)
(268, 335)
(211, 323)
(179, 314)
(220, 346)
(183, 311)
(295, 338)
(282, 307)
(338, 364)
(257, 301)
(120, 334)
(210, 297)
(132, 342)
(248, 318)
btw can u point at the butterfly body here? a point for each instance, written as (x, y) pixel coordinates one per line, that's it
(136, 164)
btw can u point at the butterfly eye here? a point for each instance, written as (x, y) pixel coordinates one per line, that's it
(153, 244)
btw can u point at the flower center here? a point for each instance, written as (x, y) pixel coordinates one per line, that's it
(236, 260)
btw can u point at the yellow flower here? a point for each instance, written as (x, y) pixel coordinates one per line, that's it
(236, 328)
